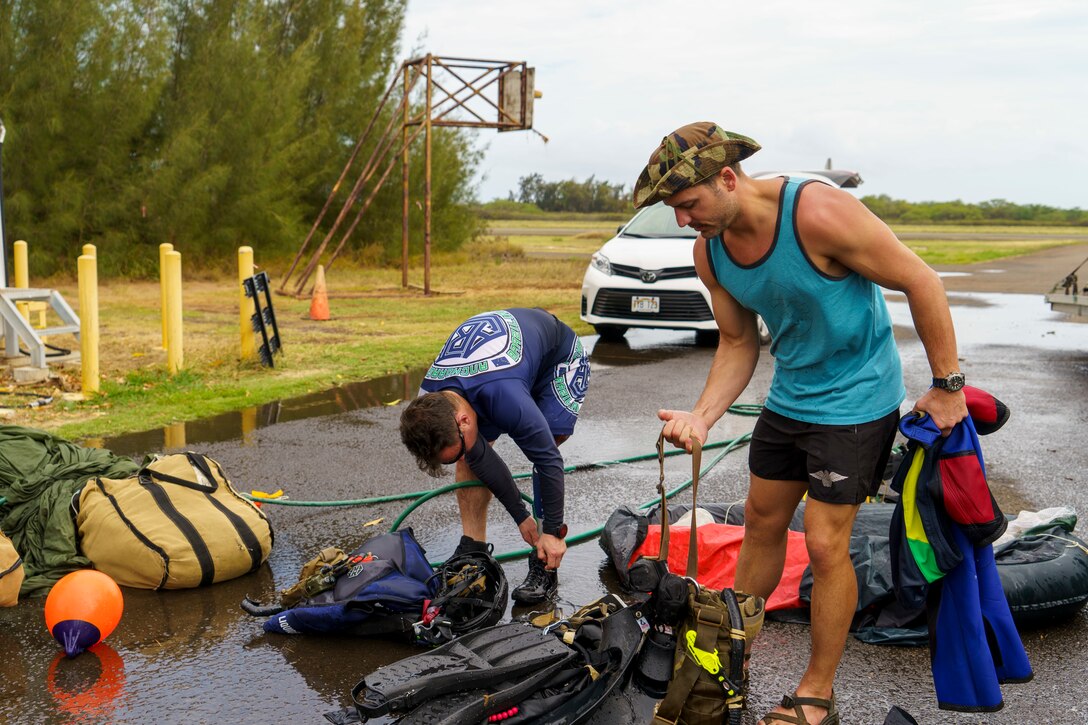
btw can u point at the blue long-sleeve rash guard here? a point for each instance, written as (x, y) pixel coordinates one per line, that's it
(496, 361)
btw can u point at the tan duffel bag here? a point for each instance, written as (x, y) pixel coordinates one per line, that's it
(176, 524)
(11, 572)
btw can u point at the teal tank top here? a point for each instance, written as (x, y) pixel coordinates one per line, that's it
(835, 359)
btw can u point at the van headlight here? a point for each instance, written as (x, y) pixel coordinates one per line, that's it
(600, 263)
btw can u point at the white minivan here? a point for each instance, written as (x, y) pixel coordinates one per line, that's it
(645, 276)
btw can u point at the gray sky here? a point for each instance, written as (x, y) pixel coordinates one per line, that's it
(928, 100)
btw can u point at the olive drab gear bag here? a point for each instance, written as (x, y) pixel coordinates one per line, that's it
(11, 572)
(178, 523)
(709, 677)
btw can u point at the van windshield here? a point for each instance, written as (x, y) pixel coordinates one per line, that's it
(657, 221)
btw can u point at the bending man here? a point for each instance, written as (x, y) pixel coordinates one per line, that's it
(521, 372)
(810, 259)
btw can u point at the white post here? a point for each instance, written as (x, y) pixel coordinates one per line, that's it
(3, 243)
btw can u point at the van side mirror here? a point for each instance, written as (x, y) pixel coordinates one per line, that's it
(619, 229)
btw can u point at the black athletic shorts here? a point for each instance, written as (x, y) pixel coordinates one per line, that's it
(841, 463)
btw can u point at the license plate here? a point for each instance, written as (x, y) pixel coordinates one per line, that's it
(646, 304)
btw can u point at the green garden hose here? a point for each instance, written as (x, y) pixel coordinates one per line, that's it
(419, 498)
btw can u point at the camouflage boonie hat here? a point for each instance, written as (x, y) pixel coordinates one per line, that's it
(688, 155)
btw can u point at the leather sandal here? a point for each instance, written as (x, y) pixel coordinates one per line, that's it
(798, 716)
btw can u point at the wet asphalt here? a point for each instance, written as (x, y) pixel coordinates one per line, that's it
(194, 657)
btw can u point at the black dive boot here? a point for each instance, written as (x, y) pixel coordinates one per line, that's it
(539, 585)
(471, 546)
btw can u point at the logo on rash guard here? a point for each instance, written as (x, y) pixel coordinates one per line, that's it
(572, 379)
(486, 342)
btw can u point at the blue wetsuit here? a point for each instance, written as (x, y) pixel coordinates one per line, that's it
(525, 374)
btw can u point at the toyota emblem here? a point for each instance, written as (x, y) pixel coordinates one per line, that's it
(648, 276)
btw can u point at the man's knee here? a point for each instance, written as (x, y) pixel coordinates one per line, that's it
(766, 523)
(828, 543)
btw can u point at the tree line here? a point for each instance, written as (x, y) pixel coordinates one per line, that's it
(592, 195)
(570, 195)
(995, 211)
(203, 123)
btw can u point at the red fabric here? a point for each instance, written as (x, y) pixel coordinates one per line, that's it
(966, 494)
(719, 545)
(987, 412)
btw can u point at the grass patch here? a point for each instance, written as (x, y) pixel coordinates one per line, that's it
(381, 329)
(559, 223)
(956, 251)
(1073, 232)
(558, 244)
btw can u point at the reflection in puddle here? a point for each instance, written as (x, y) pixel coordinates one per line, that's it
(1003, 319)
(89, 688)
(638, 347)
(241, 424)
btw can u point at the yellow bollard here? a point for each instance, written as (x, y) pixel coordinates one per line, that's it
(90, 250)
(22, 281)
(175, 356)
(163, 249)
(88, 322)
(245, 304)
(22, 274)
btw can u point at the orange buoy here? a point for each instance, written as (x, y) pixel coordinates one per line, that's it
(82, 609)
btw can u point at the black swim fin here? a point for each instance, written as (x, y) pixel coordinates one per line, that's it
(476, 661)
(515, 672)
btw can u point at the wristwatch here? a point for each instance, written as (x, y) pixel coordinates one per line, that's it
(559, 532)
(951, 382)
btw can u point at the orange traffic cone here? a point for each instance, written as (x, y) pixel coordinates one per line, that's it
(319, 302)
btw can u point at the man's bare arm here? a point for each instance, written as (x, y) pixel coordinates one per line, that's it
(840, 234)
(733, 365)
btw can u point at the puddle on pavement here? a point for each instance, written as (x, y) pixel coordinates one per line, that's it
(1003, 319)
(241, 424)
(638, 347)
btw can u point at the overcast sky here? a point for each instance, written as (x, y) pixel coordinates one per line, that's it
(928, 100)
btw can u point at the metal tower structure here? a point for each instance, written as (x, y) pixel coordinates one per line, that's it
(454, 92)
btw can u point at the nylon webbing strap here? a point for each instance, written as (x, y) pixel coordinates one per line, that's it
(663, 553)
(696, 464)
(693, 540)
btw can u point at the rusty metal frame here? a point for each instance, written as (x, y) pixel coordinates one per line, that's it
(453, 97)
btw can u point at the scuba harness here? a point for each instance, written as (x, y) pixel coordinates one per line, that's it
(386, 587)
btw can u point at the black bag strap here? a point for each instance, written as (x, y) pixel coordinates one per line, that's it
(14, 565)
(147, 473)
(150, 479)
(693, 541)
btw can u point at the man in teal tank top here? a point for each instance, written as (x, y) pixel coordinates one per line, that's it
(810, 259)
